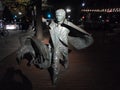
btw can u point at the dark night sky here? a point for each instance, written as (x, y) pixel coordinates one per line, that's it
(75, 5)
(89, 3)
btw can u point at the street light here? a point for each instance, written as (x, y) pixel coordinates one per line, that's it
(83, 4)
(68, 10)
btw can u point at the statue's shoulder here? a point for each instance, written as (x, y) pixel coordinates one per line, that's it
(52, 24)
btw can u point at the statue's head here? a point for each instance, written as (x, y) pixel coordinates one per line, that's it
(60, 15)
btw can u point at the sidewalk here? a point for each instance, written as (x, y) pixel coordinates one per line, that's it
(93, 68)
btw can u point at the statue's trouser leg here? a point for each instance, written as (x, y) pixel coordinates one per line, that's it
(66, 61)
(65, 57)
(56, 66)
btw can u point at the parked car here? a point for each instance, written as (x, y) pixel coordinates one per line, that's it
(12, 26)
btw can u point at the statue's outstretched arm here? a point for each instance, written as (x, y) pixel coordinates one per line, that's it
(70, 24)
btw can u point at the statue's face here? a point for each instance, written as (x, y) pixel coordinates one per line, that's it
(60, 15)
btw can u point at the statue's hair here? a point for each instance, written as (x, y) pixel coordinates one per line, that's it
(62, 11)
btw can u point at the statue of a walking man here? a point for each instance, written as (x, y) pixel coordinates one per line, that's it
(61, 32)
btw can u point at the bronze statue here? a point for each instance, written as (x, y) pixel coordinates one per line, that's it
(49, 55)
